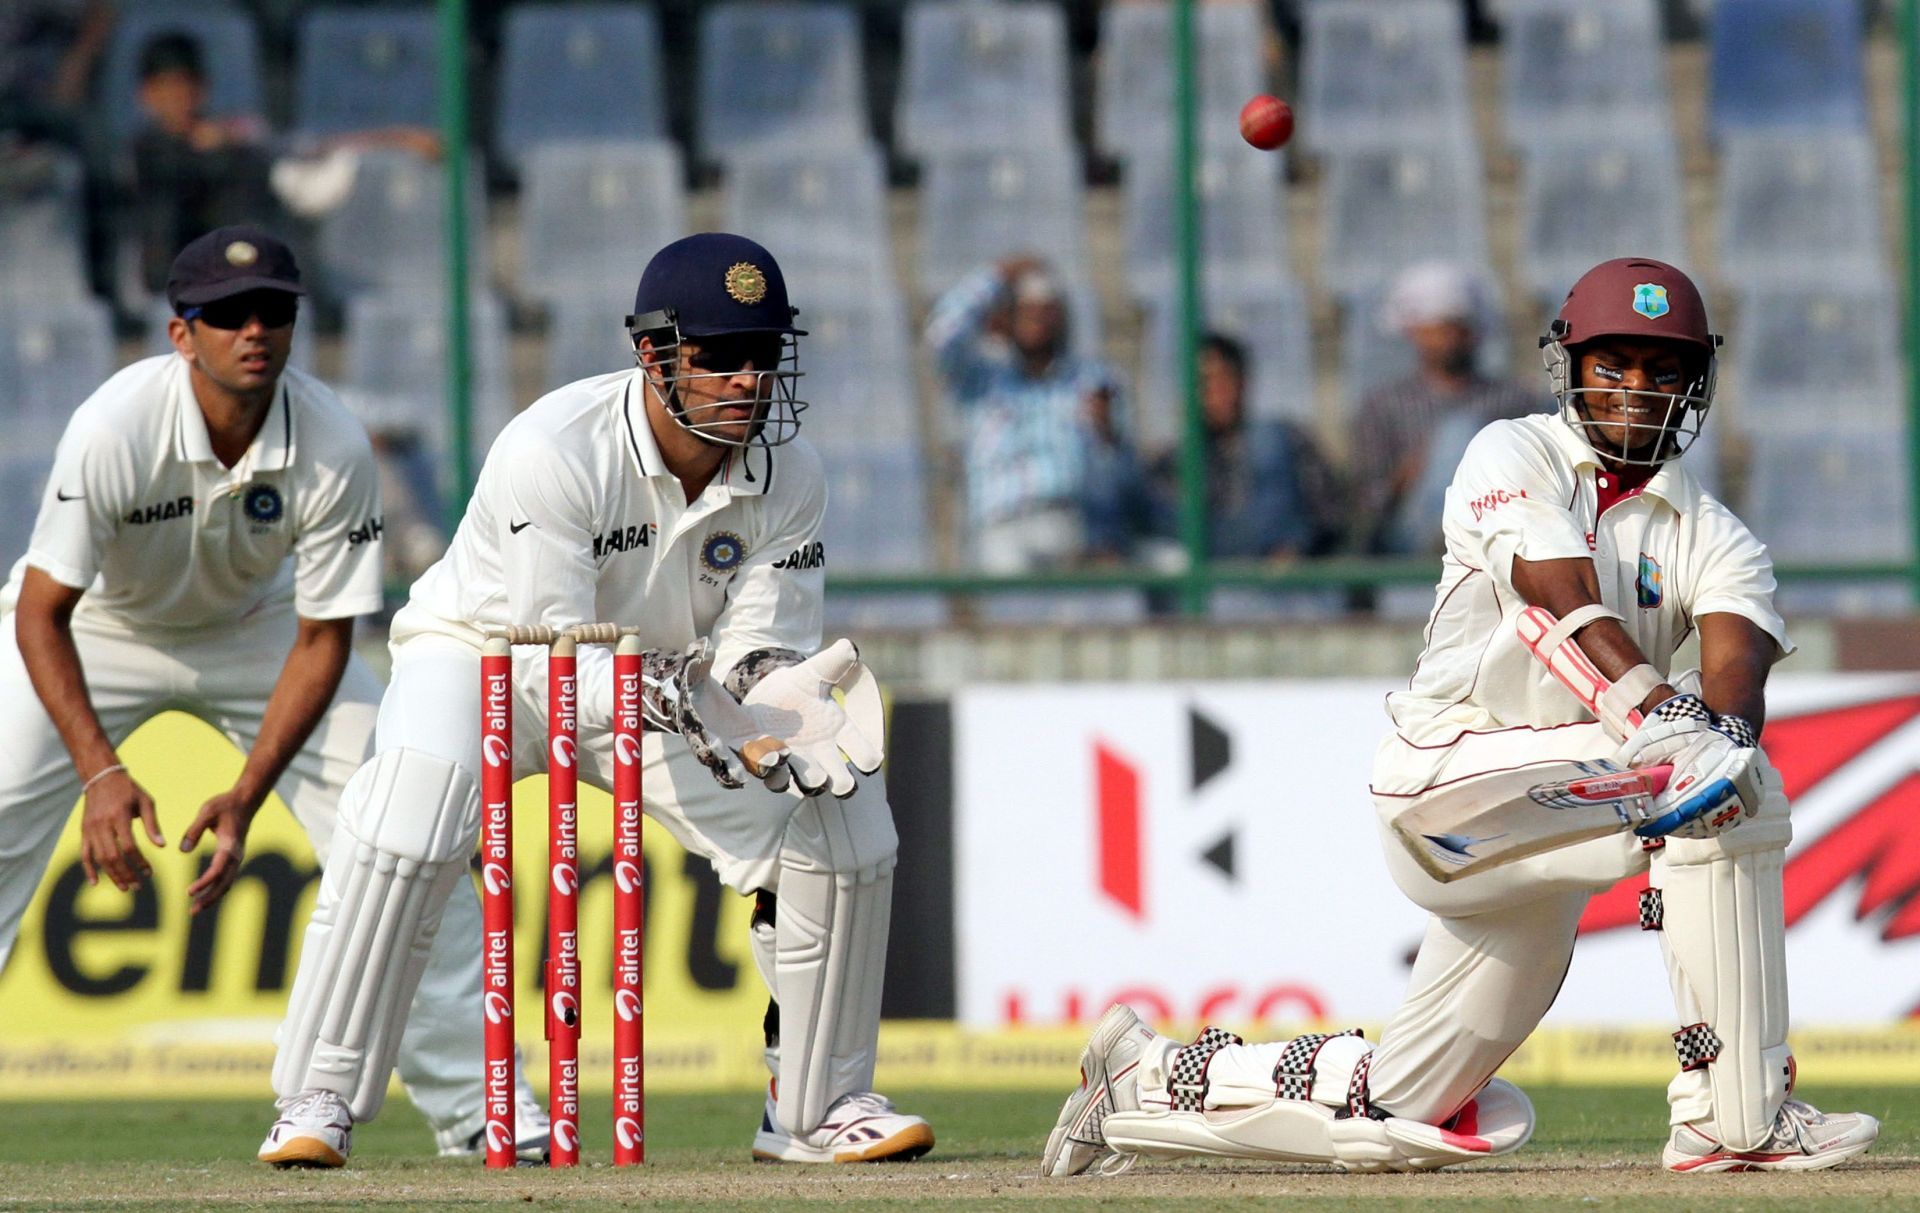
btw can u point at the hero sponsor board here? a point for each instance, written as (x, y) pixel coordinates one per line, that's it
(1209, 853)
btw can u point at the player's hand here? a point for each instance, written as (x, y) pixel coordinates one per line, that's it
(827, 739)
(106, 831)
(1716, 780)
(227, 816)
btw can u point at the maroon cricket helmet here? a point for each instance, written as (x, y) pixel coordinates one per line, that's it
(1634, 297)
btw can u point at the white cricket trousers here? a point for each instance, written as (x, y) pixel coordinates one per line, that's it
(223, 676)
(1498, 945)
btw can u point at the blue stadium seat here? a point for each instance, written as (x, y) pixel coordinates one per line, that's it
(41, 245)
(1788, 63)
(229, 52)
(578, 73)
(53, 354)
(822, 212)
(858, 380)
(1389, 208)
(366, 67)
(1826, 493)
(591, 215)
(585, 338)
(1581, 204)
(1795, 206)
(983, 74)
(1835, 340)
(779, 74)
(1134, 103)
(877, 509)
(1242, 209)
(1576, 70)
(390, 233)
(23, 483)
(979, 206)
(1270, 316)
(1379, 74)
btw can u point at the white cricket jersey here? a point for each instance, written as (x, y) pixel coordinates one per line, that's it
(1530, 488)
(576, 519)
(141, 514)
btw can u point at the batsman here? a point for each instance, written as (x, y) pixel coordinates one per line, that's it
(671, 497)
(1580, 552)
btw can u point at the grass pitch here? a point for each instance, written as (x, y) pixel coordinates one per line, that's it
(1596, 1148)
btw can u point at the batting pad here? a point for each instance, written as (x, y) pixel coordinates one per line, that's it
(830, 953)
(1724, 938)
(408, 821)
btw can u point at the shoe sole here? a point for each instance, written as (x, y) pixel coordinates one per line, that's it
(905, 1146)
(1735, 1162)
(308, 1152)
(1117, 1022)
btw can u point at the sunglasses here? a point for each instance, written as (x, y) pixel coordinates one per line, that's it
(726, 355)
(274, 309)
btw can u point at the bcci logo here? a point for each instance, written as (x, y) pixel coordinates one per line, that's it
(1650, 300)
(262, 503)
(723, 551)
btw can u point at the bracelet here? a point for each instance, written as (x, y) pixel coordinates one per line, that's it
(100, 774)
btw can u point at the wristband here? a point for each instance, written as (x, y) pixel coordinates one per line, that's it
(100, 774)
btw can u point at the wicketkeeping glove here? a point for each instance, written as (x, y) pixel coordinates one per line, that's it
(791, 701)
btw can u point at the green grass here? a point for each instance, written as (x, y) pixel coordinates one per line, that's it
(1595, 1149)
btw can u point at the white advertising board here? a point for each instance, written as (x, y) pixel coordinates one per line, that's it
(1208, 852)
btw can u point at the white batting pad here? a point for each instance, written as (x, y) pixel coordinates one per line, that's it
(830, 930)
(408, 822)
(1724, 938)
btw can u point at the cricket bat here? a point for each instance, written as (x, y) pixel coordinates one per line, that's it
(1489, 820)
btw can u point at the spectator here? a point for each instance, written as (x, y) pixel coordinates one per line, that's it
(1439, 309)
(1268, 485)
(48, 52)
(1051, 478)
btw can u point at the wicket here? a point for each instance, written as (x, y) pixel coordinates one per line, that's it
(562, 970)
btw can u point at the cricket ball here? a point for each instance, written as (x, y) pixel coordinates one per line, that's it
(1266, 122)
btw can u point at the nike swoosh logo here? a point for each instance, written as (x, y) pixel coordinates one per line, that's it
(58, 495)
(517, 527)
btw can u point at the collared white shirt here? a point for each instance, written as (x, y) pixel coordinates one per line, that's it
(141, 514)
(1529, 488)
(576, 519)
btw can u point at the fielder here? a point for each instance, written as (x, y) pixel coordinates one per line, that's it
(210, 529)
(671, 497)
(1593, 516)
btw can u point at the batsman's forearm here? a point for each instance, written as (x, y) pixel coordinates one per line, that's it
(300, 698)
(1735, 658)
(1564, 586)
(53, 666)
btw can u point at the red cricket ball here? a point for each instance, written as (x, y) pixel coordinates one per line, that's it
(1266, 122)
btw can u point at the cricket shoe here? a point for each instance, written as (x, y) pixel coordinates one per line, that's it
(859, 1128)
(532, 1134)
(314, 1130)
(1109, 1082)
(1803, 1139)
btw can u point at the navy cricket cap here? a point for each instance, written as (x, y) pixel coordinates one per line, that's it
(714, 283)
(230, 261)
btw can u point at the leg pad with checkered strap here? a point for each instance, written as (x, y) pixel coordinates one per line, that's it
(1293, 1073)
(1187, 1077)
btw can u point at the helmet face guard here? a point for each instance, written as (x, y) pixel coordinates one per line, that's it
(776, 408)
(1655, 427)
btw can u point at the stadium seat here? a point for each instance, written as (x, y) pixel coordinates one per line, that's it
(780, 74)
(822, 213)
(365, 67)
(1796, 206)
(1134, 104)
(1372, 353)
(578, 73)
(979, 206)
(858, 373)
(1383, 75)
(983, 74)
(877, 509)
(1824, 493)
(395, 369)
(1269, 316)
(390, 233)
(1386, 209)
(1576, 70)
(53, 354)
(585, 338)
(41, 246)
(1788, 63)
(1242, 209)
(1581, 204)
(23, 482)
(229, 53)
(1834, 341)
(591, 215)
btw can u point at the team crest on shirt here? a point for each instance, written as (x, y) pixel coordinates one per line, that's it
(262, 503)
(1650, 300)
(1646, 587)
(723, 551)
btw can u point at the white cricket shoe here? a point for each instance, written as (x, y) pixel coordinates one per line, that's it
(314, 1130)
(1803, 1139)
(1109, 1082)
(862, 1127)
(532, 1133)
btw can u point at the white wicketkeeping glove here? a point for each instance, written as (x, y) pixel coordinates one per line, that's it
(824, 740)
(1716, 778)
